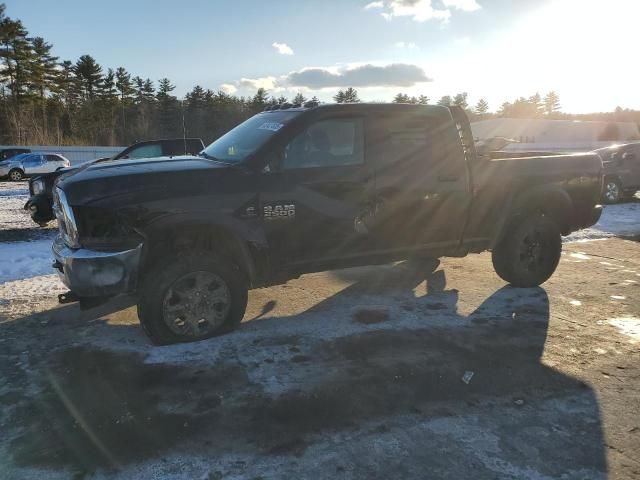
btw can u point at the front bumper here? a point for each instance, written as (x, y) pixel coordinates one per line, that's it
(40, 207)
(91, 273)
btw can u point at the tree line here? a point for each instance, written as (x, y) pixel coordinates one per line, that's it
(48, 101)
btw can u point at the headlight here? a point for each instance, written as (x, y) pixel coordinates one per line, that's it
(66, 220)
(38, 186)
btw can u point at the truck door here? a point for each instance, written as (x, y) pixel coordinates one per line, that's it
(310, 201)
(422, 184)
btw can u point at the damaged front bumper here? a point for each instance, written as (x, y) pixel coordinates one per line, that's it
(92, 273)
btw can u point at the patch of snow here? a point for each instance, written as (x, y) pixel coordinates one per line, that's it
(581, 256)
(575, 303)
(629, 326)
(617, 220)
(41, 286)
(19, 260)
(618, 297)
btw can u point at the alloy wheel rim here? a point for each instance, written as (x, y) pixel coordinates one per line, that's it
(196, 304)
(532, 254)
(612, 191)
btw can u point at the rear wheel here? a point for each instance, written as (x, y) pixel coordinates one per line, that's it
(529, 252)
(612, 192)
(16, 175)
(191, 298)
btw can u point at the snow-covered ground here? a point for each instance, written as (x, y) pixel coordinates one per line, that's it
(617, 220)
(20, 260)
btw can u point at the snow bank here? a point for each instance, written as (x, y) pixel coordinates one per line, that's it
(617, 220)
(20, 260)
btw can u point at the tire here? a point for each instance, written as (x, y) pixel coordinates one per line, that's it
(174, 288)
(612, 191)
(529, 252)
(16, 175)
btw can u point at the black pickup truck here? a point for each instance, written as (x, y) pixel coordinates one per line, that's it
(309, 188)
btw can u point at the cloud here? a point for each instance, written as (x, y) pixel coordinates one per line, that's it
(268, 83)
(422, 10)
(408, 45)
(228, 88)
(374, 5)
(462, 41)
(282, 48)
(318, 78)
(393, 75)
(464, 5)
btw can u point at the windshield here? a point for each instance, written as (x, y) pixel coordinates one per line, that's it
(249, 136)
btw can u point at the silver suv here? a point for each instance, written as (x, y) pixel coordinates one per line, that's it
(29, 164)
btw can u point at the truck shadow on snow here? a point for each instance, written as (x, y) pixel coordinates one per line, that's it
(99, 408)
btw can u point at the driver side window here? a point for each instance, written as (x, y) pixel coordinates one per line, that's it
(327, 143)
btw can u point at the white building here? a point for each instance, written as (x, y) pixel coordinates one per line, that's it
(555, 135)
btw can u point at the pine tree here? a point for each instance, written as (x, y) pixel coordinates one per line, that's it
(423, 100)
(401, 98)
(460, 100)
(89, 75)
(167, 107)
(299, 99)
(126, 91)
(537, 106)
(260, 100)
(339, 97)
(482, 107)
(445, 101)
(551, 103)
(16, 54)
(107, 88)
(351, 96)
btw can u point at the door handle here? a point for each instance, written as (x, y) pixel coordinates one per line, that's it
(448, 178)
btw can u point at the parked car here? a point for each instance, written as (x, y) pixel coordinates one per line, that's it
(7, 153)
(30, 164)
(40, 204)
(295, 190)
(622, 171)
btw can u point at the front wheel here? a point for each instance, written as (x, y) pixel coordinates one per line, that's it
(16, 175)
(529, 252)
(190, 298)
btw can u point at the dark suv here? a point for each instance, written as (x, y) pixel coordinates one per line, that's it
(622, 171)
(7, 153)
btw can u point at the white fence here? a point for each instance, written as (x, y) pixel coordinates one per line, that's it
(76, 155)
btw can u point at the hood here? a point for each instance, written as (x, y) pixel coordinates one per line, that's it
(135, 179)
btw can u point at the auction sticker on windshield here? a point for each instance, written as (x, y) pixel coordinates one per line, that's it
(273, 126)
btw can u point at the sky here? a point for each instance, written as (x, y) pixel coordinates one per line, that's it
(493, 49)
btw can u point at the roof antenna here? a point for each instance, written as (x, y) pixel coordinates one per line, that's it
(184, 129)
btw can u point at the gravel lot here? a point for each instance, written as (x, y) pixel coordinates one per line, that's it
(376, 372)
